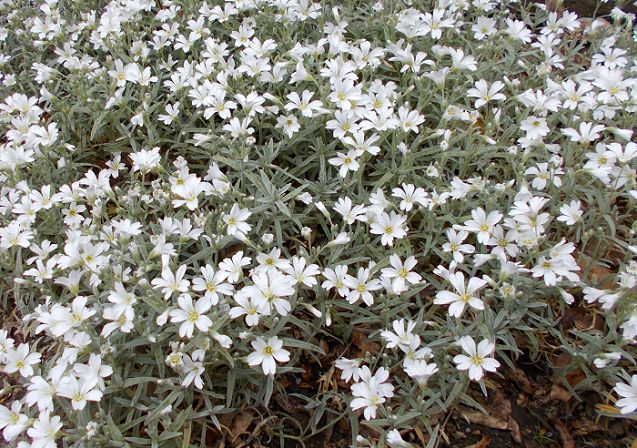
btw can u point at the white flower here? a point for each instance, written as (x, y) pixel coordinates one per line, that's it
(371, 391)
(193, 371)
(123, 73)
(192, 315)
(121, 299)
(79, 392)
(361, 287)
(350, 368)
(571, 213)
(269, 290)
(94, 369)
(14, 235)
(543, 174)
(340, 239)
(288, 124)
(302, 273)
(455, 246)
(401, 273)
(335, 278)
(419, 370)
(13, 422)
(171, 283)
(400, 335)
(44, 431)
(271, 262)
(464, 295)
(389, 227)
(6, 343)
(145, 160)
(535, 127)
(486, 93)
(248, 307)
(410, 195)
(21, 360)
(41, 391)
(628, 392)
(482, 224)
(607, 358)
(346, 162)
(267, 353)
(410, 120)
(172, 112)
(232, 267)
(212, 283)
(350, 214)
(304, 103)
(395, 440)
(554, 269)
(588, 132)
(484, 26)
(479, 359)
(236, 221)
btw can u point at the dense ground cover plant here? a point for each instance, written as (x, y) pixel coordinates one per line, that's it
(198, 198)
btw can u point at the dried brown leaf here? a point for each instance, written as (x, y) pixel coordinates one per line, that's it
(482, 443)
(501, 406)
(479, 418)
(240, 425)
(596, 273)
(514, 428)
(583, 427)
(360, 340)
(563, 431)
(558, 393)
(523, 381)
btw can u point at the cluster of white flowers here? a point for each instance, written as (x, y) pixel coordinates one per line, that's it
(193, 195)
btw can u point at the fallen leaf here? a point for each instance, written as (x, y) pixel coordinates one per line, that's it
(562, 430)
(325, 347)
(559, 393)
(289, 404)
(500, 406)
(482, 443)
(563, 360)
(240, 425)
(583, 427)
(634, 444)
(514, 428)
(575, 377)
(522, 400)
(424, 439)
(500, 416)
(307, 372)
(607, 408)
(523, 381)
(479, 418)
(595, 273)
(360, 340)
(578, 317)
